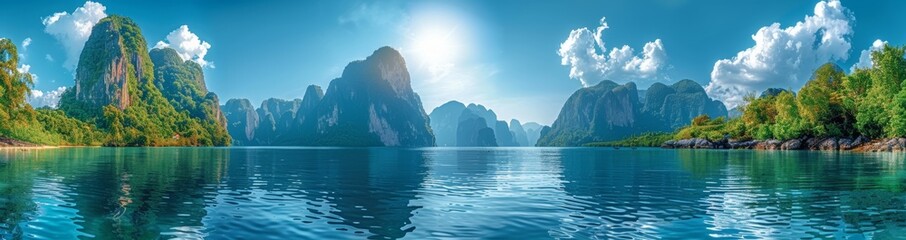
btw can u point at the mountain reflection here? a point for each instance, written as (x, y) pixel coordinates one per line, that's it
(356, 192)
(390, 193)
(120, 193)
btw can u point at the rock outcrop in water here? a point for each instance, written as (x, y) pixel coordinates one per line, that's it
(609, 111)
(519, 134)
(139, 100)
(532, 132)
(242, 121)
(473, 131)
(277, 117)
(446, 122)
(679, 103)
(275, 122)
(371, 104)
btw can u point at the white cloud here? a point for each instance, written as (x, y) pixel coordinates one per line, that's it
(865, 57)
(26, 43)
(587, 56)
(48, 57)
(24, 68)
(72, 30)
(188, 45)
(784, 57)
(50, 99)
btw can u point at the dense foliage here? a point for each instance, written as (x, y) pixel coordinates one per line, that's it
(18, 120)
(137, 112)
(117, 101)
(868, 102)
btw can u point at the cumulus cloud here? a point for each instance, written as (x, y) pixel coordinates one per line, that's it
(865, 57)
(45, 99)
(784, 57)
(26, 69)
(585, 52)
(72, 30)
(26, 43)
(188, 45)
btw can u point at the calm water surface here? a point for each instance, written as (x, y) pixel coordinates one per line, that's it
(494, 193)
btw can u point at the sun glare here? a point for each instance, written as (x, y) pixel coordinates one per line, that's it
(437, 38)
(436, 46)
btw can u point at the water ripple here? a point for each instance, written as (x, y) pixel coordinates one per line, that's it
(467, 193)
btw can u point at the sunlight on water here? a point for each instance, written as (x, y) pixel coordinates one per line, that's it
(381, 193)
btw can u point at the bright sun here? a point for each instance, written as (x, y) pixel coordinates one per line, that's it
(437, 38)
(436, 46)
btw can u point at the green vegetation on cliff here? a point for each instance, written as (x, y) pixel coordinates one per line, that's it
(116, 90)
(116, 100)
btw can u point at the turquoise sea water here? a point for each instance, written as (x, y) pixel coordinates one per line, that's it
(458, 193)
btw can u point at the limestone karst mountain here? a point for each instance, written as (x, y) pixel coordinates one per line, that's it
(609, 111)
(137, 99)
(371, 104)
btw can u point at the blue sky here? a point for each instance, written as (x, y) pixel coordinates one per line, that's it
(511, 56)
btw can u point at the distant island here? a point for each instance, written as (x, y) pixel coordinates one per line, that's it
(456, 124)
(371, 104)
(609, 112)
(863, 111)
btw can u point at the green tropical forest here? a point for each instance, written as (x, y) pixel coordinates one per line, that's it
(869, 102)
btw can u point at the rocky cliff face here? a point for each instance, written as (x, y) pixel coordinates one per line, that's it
(276, 122)
(519, 134)
(183, 84)
(107, 64)
(242, 121)
(116, 88)
(608, 111)
(604, 112)
(276, 116)
(472, 131)
(310, 101)
(679, 103)
(532, 132)
(503, 135)
(445, 121)
(372, 104)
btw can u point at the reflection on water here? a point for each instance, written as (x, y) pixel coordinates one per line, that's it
(385, 193)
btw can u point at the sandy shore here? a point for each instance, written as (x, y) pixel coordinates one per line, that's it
(27, 147)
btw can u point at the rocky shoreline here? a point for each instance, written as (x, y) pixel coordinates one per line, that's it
(9, 143)
(860, 144)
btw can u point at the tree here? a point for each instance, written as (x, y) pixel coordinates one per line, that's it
(14, 87)
(788, 123)
(820, 103)
(700, 120)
